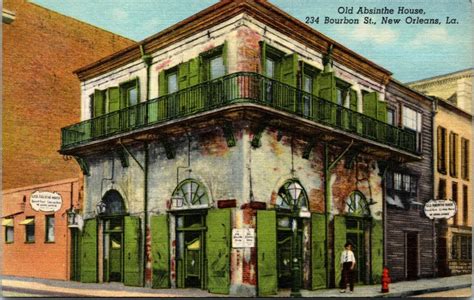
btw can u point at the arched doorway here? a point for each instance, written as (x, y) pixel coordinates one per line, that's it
(291, 199)
(191, 228)
(358, 223)
(113, 212)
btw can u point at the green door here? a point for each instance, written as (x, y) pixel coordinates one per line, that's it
(89, 251)
(160, 251)
(318, 251)
(266, 258)
(355, 233)
(75, 254)
(377, 251)
(115, 257)
(339, 241)
(132, 274)
(218, 250)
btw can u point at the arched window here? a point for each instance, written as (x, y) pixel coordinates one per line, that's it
(356, 204)
(113, 203)
(291, 194)
(191, 192)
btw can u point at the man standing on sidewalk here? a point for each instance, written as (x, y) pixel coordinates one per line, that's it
(348, 263)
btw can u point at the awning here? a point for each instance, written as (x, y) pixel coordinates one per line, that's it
(7, 222)
(28, 221)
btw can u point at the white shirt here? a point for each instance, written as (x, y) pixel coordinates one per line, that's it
(347, 256)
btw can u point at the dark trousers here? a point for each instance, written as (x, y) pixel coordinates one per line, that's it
(347, 276)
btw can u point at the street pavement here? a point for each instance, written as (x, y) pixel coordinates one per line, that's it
(14, 286)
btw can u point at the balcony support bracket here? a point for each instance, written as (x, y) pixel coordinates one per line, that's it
(309, 147)
(83, 164)
(350, 158)
(256, 141)
(169, 149)
(228, 130)
(123, 157)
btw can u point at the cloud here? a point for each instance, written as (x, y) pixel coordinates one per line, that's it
(370, 33)
(430, 36)
(119, 14)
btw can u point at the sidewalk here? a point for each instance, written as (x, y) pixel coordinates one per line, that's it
(76, 289)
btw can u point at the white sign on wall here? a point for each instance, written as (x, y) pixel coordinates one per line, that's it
(440, 209)
(46, 201)
(243, 238)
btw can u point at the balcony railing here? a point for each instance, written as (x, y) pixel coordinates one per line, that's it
(237, 88)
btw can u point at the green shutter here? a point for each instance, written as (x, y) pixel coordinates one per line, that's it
(183, 82)
(183, 72)
(382, 111)
(377, 251)
(137, 85)
(132, 274)
(160, 251)
(318, 251)
(162, 83)
(327, 86)
(381, 116)
(158, 110)
(339, 241)
(266, 248)
(288, 75)
(218, 250)
(99, 107)
(327, 90)
(193, 71)
(289, 69)
(194, 77)
(263, 57)
(225, 57)
(89, 251)
(370, 104)
(113, 97)
(353, 99)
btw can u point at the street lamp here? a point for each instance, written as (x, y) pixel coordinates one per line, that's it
(299, 210)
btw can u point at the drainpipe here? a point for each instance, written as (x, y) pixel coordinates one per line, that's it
(147, 59)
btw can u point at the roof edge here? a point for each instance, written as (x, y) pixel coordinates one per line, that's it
(258, 9)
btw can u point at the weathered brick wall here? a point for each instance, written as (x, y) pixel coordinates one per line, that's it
(41, 49)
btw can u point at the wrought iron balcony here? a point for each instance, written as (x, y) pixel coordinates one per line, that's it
(237, 88)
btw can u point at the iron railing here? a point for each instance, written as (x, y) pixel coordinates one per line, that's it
(237, 88)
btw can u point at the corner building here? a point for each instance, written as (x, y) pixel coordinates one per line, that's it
(226, 121)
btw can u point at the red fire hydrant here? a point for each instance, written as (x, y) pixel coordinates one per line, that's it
(385, 280)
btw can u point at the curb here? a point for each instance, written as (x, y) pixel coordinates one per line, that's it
(425, 291)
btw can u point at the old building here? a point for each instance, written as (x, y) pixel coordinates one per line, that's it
(41, 48)
(33, 113)
(230, 154)
(35, 234)
(453, 166)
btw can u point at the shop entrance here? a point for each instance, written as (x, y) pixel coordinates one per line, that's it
(113, 249)
(411, 253)
(291, 200)
(190, 231)
(113, 237)
(285, 240)
(355, 234)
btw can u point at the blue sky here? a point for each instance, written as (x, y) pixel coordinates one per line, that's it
(410, 51)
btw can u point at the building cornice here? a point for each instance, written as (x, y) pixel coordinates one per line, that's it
(260, 10)
(441, 79)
